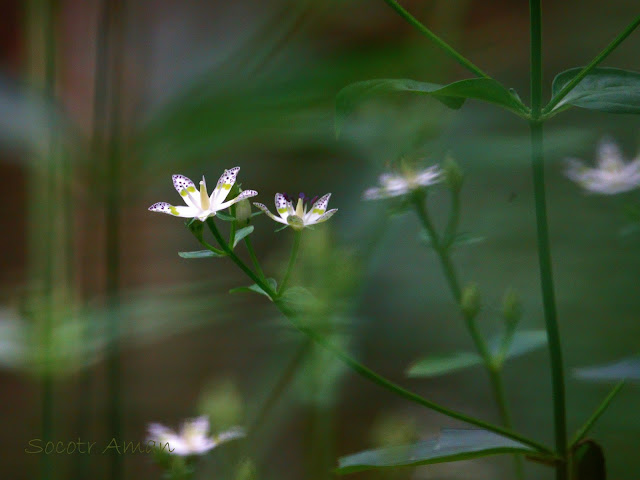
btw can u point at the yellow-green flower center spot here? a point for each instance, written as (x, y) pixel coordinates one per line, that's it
(282, 210)
(319, 211)
(174, 210)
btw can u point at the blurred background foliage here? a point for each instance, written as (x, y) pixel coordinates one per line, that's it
(101, 101)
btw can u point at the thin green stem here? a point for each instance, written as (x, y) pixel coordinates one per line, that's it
(582, 431)
(548, 299)
(544, 248)
(436, 39)
(585, 71)
(292, 261)
(356, 366)
(252, 255)
(536, 58)
(285, 379)
(227, 249)
(441, 247)
(114, 17)
(400, 391)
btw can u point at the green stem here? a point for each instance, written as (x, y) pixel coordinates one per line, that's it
(436, 39)
(400, 391)
(114, 17)
(548, 298)
(292, 261)
(252, 255)
(585, 71)
(279, 388)
(363, 370)
(441, 248)
(227, 249)
(597, 414)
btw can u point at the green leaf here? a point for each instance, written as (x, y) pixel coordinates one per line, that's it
(240, 234)
(460, 239)
(626, 369)
(452, 95)
(200, 254)
(225, 217)
(523, 342)
(442, 364)
(452, 445)
(609, 90)
(255, 288)
(587, 462)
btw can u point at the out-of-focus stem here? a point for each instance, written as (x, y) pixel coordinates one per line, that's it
(442, 249)
(292, 261)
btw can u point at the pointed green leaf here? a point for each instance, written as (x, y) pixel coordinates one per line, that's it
(626, 369)
(225, 217)
(256, 288)
(452, 95)
(240, 234)
(200, 254)
(443, 364)
(604, 89)
(523, 342)
(452, 445)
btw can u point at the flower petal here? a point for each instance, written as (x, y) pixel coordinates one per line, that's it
(317, 209)
(231, 434)
(164, 207)
(187, 190)
(283, 206)
(225, 182)
(325, 217)
(271, 215)
(609, 153)
(244, 194)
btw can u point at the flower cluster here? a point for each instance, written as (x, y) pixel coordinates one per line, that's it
(611, 176)
(193, 438)
(395, 185)
(200, 205)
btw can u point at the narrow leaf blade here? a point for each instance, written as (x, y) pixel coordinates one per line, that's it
(200, 254)
(523, 342)
(604, 89)
(437, 365)
(240, 234)
(452, 445)
(626, 369)
(452, 95)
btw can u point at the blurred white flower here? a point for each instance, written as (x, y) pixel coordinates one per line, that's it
(201, 205)
(612, 175)
(302, 216)
(193, 438)
(395, 185)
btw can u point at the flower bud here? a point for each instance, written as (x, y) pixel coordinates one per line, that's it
(453, 175)
(243, 212)
(470, 301)
(511, 308)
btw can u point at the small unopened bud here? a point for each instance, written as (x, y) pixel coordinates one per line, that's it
(511, 308)
(470, 301)
(453, 175)
(243, 212)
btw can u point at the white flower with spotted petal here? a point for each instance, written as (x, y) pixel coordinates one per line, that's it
(193, 438)
(395, 185)
(307, 212)
(612, 175)
(200, 204)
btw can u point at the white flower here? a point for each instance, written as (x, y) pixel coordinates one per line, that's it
(302, 216)
(612, 175)
(395, 185)
(193, 438)
(201, 205)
